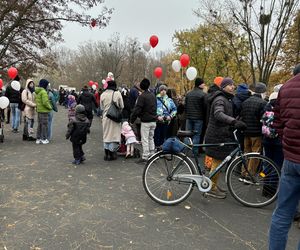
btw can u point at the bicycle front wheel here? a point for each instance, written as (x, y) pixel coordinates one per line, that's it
(256, 186)
(159, 178)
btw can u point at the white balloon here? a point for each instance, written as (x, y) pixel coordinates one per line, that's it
(16, 85)
(4, 102)
(191, 73)
(94, 87)
(176, 66)
(146, 47)
(103, 81)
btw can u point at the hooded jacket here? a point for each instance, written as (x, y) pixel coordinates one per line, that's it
(78, 127)
(29, 99)
(42, 101)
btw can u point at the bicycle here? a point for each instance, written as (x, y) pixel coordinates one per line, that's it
(169, 177)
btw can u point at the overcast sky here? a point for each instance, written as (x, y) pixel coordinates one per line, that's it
(140, 19)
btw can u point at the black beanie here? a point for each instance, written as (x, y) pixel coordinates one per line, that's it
(43, 83)
(296, 69)
(145, 84)
(198, 82)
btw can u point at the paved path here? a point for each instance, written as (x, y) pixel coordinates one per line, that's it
(47, 203)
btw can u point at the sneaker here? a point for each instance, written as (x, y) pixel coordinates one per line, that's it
(38, 141)
(141, 161)
(45, 141)
(82, 159)
(216, 194)
(76, 162)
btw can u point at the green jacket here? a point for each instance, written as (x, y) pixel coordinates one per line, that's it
(42, 101)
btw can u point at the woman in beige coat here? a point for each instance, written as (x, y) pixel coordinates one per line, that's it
(29, 110)
(111, 129)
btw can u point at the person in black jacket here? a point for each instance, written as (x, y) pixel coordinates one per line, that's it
(78, 128)
(145, 109)
(87, 99)
(251, 114)
(14, 97)
(195, 110)
(218, 131)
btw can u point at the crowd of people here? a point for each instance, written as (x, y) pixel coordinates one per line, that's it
(149, 116)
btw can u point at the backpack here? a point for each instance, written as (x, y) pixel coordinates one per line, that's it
(267, 121)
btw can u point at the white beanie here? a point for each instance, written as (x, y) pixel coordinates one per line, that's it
(273, 96)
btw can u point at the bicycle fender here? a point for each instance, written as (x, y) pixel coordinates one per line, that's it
(237, 159)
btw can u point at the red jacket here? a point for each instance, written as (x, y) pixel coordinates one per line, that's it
(287, 118)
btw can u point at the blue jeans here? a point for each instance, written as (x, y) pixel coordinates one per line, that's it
(50, 118)
(288, 198)
(195, 125)
(15, 113)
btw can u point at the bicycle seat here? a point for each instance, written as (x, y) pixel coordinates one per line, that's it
(185, 133)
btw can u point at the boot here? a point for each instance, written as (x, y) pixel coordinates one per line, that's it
(25, 137)
(106, 155)
(113, 155)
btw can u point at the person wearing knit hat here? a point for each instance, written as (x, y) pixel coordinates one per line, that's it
(78, 128)
(195, 111)
(242, 88)
(43, 107)
(145, 109)
(166, 110)
(221, 121)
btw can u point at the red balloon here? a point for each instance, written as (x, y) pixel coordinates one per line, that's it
(12, 72)
(153, 41)
(184, 60)
(158, 72)
(91, 83)
(1, 83)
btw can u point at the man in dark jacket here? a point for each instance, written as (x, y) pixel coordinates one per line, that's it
(242, 94)
(251, 113)
(87, 99)
(145, 109)
(287, 124)
(195, 110)
(218, 130)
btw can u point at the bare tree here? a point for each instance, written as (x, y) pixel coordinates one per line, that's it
(29, 27)
(263, 23)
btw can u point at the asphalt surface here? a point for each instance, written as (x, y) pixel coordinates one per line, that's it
(48, 203)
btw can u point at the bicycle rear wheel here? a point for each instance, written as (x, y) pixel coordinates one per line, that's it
(159, 181)
(253, 190)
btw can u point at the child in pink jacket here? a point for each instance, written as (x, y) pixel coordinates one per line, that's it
(130, 139)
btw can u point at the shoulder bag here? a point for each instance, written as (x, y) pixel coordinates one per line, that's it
(114, 112)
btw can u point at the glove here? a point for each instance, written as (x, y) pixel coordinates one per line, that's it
(239, 125)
